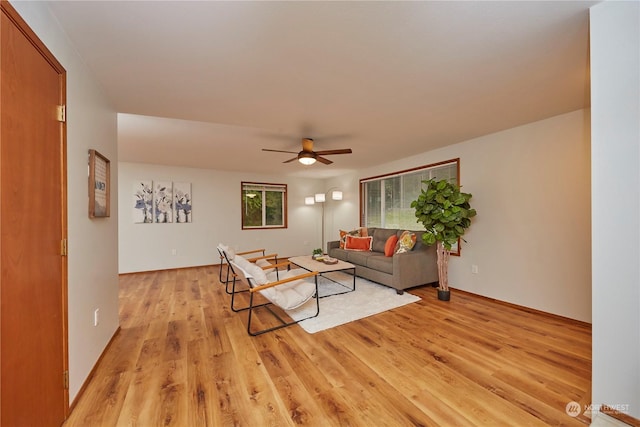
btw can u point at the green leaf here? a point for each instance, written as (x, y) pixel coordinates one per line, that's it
(428, 238)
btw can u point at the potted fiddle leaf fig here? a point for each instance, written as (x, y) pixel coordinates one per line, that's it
(445, 213)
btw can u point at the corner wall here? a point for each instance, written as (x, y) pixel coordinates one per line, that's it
(93, 246)
(216, 219)
(615, 100)
(531, 239)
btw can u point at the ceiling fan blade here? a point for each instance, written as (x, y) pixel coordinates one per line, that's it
(342, 151)
(323, 160)
(291, 160)
(279, 151)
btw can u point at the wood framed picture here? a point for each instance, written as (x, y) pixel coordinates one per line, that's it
(99, 185)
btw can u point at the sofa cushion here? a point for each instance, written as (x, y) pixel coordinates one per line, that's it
(380, 263)
(380, 236)
(359, 257)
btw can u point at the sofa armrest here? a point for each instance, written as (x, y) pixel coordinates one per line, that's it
(415, 268)
(332, 245)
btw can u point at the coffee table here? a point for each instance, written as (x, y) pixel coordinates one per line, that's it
(308, 263)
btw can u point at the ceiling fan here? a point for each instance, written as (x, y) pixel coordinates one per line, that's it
(308, 157)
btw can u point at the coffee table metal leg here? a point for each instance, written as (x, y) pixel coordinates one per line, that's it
(335, 281)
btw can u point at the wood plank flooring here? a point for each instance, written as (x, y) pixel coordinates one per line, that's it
(183, 358)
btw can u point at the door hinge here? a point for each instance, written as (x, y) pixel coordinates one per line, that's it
(61, 113)
(65, 379)
(63, 247)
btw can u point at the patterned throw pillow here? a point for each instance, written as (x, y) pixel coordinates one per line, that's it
(406, 242)
(358, 232)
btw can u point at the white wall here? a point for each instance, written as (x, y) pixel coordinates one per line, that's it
(531, 239)
(216, 218)
(93, 269)
(615, 100)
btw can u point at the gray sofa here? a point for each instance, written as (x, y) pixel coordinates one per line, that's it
(400, 271)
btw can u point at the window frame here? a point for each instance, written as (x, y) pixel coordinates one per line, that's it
(418, 169)
(264, 187)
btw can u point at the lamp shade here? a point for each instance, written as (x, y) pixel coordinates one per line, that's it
(319, 197)
(309, 200)
(336, 195)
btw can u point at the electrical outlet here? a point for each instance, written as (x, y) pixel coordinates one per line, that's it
(174, 252)
(474, 269)
(96, 317)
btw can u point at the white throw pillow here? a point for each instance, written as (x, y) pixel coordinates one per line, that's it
(240, 261)
(257, 273)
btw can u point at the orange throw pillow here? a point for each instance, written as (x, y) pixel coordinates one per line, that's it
(358, 243)
(344, 234)
(358, 232)
(390, 246)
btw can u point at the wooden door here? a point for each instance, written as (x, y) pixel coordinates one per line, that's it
(33, 350)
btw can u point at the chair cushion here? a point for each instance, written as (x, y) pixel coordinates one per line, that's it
(290, 295)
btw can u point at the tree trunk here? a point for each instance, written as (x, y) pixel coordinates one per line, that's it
(443, 266)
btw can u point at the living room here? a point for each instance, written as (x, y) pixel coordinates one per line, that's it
(535, 187)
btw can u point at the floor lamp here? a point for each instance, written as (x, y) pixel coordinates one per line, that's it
(321, 198)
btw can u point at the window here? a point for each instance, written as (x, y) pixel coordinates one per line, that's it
(386, 199)
(264, 205)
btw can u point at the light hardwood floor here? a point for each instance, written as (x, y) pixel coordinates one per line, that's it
(183, 358)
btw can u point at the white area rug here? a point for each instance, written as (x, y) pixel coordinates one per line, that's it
(368, 299)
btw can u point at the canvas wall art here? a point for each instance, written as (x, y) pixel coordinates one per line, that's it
(143, 202)
(163, 202)
(182, 201)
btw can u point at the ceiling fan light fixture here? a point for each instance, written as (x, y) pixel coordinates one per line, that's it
(306, 158)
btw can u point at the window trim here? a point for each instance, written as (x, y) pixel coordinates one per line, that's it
(266, 186)
(363, 181)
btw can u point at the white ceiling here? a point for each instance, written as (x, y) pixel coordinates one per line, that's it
(208, 84)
